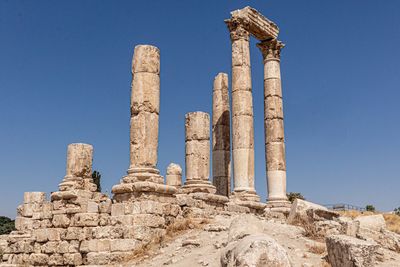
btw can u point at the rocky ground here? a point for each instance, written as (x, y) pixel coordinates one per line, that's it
(224, 237)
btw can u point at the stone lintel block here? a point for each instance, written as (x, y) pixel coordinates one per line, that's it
(272, 87)
(273, 108)
(146, 58)
(275, 156)
(241, 78)
(241, 52)
(63, 195)
(34, 197)
(197, 126)
(274, 130)
(272, 70)
(242, 132)
(145, 93)
(257, 24)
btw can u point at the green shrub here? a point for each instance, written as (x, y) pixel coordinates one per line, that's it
(293, 195)
(370, 208)
(6, 225)
(397, 211)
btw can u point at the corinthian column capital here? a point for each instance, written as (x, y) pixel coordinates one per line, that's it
(271, 49)
(237, 30)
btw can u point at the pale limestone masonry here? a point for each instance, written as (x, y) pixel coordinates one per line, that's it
(221, 136)
(197, 153)
(79, 168)
(79, 226)
(143, 176)
(242, 113)
(174, 175)
(273, 118)
(241, 25)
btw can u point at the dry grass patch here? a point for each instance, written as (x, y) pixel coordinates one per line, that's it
(173, 230)
(354, 213)
(392, 222)
(317, 248)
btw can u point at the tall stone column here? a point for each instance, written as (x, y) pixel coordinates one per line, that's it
(273, 121)
(143, 178)
(145, 107)
(242, 113)
(79, 168)
(197, 153)
(221, 154)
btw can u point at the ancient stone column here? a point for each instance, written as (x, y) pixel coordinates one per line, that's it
(145, 107)
(221, 154)
(273, 121)
(197, 155)
(79, 168)
(242, 113)
(174, 175)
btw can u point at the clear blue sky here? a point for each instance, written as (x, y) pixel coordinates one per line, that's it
(65, 77)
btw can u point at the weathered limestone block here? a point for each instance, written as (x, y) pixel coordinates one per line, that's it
(111, 232)
(60, 221)
(255, 250)
(34, 197)
(346, 251)
(72, 259)
(118, 209)
(244, 225)
(149, 220)
(86, 219)
(105, 206)
(124, 244)
(174, 175)
(79, 160)
(38, 259)
(373, 222)
(146, 59)
(56, 259)
(50, 234)
(95, 245)
(23, 224)
(305, 212)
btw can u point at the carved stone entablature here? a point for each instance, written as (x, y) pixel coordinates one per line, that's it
(237, 30)
(271, 49)
(255, 23)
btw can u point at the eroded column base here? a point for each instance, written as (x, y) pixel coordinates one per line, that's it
(248, 199)
(142, 183)
(278, 206)
(198, 186)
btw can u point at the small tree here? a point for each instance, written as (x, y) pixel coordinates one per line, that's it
(370, 208)
(293, 195)
(397, 211)
(96, 179)
(6, 225)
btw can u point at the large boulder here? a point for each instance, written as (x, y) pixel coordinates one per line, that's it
(254, 251)
(347, 251)
(307, 212)
(385, 238)
(244, 225)
(372, 222)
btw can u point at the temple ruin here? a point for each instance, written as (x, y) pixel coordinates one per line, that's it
(79, 226)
